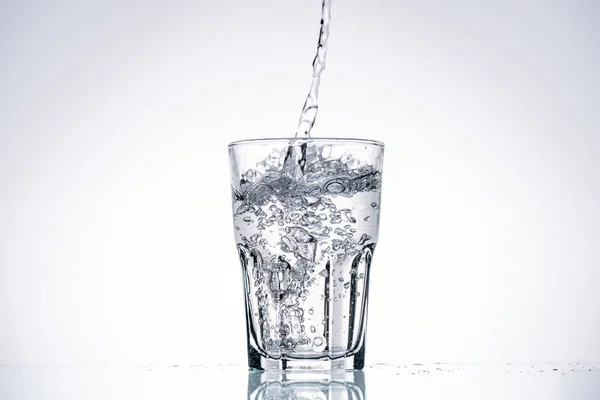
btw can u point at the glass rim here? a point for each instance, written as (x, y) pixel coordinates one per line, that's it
(308, 140)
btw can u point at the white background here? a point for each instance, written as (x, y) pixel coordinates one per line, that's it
(116, 241)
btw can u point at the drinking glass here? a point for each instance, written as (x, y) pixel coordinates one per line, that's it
(306, 219)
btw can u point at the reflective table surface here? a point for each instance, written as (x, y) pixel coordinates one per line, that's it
(576, 381)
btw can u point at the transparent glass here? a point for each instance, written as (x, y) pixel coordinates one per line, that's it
(306, 219)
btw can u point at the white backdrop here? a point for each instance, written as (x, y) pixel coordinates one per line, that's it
(116, 241)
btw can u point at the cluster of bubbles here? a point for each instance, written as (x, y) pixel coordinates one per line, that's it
(303, 185)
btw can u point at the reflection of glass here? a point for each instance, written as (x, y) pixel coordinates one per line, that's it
(306, 386)
(306, 218)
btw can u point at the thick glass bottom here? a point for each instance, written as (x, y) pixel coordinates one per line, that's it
(256, 361)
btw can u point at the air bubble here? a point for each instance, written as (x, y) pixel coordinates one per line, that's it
(363, 239)
(318, 343)
(242, 209)
(334, 186)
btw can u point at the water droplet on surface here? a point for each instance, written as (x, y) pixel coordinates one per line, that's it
(347, 285)
(313, 329)
(374, 205)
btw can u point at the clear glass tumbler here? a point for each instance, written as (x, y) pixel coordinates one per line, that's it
(306, 219)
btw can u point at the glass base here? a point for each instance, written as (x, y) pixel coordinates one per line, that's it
(256, 361)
